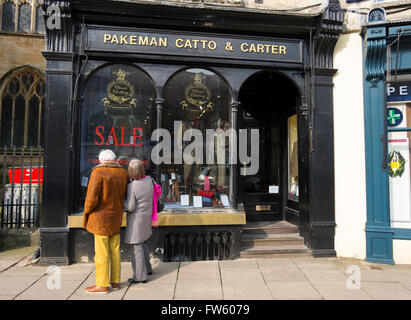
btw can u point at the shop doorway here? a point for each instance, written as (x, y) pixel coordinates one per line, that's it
(269, 103)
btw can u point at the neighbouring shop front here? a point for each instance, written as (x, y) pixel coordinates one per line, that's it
(387, 112)
(231, 112)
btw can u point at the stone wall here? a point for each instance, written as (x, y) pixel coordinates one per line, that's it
(18, 50)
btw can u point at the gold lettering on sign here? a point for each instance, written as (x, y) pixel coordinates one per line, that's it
(125, 39)
(263, 48)
(193, 44)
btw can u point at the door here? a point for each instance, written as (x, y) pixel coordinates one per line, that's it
(261, 191)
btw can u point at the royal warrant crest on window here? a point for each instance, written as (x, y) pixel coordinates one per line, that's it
(197, 97)
(120, 94)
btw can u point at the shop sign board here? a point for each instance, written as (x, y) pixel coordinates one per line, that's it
(399, 91)
(192, 44)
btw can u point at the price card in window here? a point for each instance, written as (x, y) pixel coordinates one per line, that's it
(224, 200)
(273, 189)
(197, 201)
(185, 200)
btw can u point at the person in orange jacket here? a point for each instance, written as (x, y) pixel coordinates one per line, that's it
(103, 215)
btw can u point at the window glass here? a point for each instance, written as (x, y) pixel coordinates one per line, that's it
(8, 15)
(197, 100)
(33, 122)
(399, 116)
(18, 123)
(292, 158)
(6, 122)
(117, 114)
(40, 24)
(24, 17)
(22, 100)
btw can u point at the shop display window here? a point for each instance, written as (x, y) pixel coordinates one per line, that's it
(117, 114)
(197, 100)
(399, 155)
(293, 193)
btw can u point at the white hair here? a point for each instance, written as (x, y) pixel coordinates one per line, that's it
(106, 155)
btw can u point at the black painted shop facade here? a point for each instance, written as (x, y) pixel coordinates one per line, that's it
(118, 71)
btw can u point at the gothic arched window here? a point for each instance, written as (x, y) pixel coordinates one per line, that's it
(21, 109)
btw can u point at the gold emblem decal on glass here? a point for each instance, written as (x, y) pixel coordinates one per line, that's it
(120, 94)
(197, 97)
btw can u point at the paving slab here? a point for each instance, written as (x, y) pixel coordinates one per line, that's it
(369, 275)
(325, 276)
(317, 263)
(238, 275)
(9, 258)
(28, 271)
(246, 291)
(282, 273)
(240, 263)
(45, 289)
(275, 262)
(13, 285)
(386, 291)
(198, 290)
(402, 276)
(340, 291)
(150, 291)
(293, 290)
(164, 272)
(199, 270)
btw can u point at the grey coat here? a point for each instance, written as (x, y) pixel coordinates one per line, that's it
(139, 207)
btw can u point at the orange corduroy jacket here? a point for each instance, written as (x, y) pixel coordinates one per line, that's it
(103, 208)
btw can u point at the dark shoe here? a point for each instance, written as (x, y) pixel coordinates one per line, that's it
(131, 280)
(149, 273)
(115, 286)
(96, 290)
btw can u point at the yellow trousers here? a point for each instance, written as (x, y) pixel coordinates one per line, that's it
(107, 258)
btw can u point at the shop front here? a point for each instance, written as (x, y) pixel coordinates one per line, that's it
(388, 125)
(230, 112)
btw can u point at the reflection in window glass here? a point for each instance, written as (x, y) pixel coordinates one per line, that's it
(197, 100)
(117, 114)
(399, 116)
(292, 158)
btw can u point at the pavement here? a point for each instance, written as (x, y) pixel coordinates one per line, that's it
(303, 278)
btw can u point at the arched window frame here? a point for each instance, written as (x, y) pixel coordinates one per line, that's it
(35, 5)
(27, 95)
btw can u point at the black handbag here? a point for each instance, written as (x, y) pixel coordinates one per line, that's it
(160, 203)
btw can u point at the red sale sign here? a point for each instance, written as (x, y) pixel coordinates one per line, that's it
(36, 175)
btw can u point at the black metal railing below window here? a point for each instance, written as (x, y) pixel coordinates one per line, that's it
(192, 246)
(21, 176)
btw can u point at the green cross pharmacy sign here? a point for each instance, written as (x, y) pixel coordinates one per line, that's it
(394, 117)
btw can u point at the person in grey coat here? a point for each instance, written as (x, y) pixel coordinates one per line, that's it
(139, 206)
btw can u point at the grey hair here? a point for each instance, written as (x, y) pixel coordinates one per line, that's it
(106, 155)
